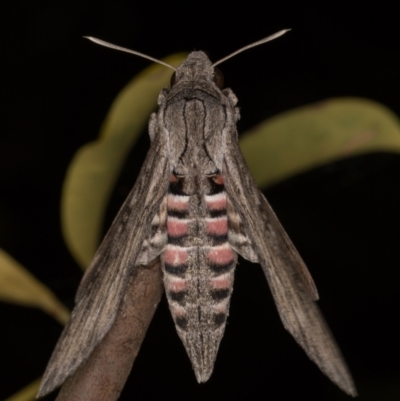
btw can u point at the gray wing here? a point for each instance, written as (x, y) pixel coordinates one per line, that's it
(288, 278)
(104, 283)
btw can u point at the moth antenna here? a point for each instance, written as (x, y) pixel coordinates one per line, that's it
(260, 42)
(123, 49)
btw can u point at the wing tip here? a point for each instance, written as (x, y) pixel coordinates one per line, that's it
(346, 385)
(47, 386)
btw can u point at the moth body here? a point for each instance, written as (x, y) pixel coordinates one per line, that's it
(198, 261)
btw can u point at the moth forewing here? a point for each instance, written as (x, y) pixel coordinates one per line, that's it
(104, 283)
(195, 206)
(287, 275)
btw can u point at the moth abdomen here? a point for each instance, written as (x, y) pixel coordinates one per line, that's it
(220, 294)
(220, 319)
(198, 265)
(178, 296)
(217, 229)
(217, 213)
(177, 230)
(175, 270)
(180, 214)
(217, 222)
(222, 268)
(181, 322)
(216, 185)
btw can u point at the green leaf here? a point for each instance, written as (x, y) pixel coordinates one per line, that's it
(311, 136)
(28, 393)
(18, 286)
(95, 167)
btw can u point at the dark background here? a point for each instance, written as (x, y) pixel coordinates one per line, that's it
(55, 91)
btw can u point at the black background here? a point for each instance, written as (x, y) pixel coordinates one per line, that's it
(56, 89)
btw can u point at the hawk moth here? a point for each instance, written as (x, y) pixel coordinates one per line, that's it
(195, 207)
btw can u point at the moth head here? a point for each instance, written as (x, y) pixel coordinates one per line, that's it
(197, 67)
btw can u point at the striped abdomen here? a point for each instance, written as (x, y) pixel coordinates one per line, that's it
(198, 265)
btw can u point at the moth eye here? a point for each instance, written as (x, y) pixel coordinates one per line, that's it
(173, 79)
(218, 78)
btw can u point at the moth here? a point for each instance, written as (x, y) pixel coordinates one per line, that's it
(196, 207)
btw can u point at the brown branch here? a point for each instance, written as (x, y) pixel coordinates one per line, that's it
(103, 375)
